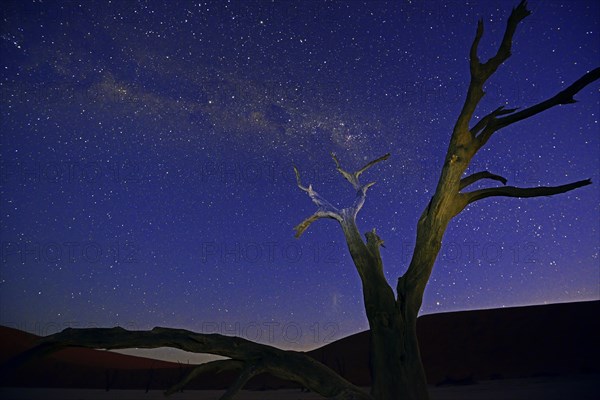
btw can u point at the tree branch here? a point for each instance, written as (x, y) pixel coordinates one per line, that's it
(473, 56)
(563, 97)
(483, 122)
(326, 210)
(249, 371)
(511, 191)
(480, 73)
(490, 124)
(371, 163)
(353, 178)
(469, 180)
(323, 204)
(361, 196)
(302, 226)
(209, 367)
(254, 357)
(517, 15)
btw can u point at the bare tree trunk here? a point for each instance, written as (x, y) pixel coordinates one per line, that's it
(396, 368)
(396, 362)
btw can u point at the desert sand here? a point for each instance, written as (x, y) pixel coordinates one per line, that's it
(529, 353)
(581, 387)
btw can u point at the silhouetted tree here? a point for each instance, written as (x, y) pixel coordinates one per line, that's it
(395, 360)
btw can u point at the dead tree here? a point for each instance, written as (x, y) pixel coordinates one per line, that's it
(396, 363)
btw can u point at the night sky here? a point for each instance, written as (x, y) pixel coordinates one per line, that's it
(147, 154)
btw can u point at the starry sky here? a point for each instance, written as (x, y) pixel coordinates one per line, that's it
(147, 151)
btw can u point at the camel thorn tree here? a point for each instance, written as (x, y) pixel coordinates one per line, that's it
(397, 371)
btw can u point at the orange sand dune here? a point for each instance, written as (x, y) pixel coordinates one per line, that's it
(457, 348)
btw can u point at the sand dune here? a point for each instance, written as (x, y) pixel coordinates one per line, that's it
(548, 340)
(473, 351)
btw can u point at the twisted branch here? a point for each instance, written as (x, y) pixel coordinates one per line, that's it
(252, 358)
(326, 210)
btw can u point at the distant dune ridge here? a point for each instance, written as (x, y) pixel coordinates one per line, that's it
(457, 348)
